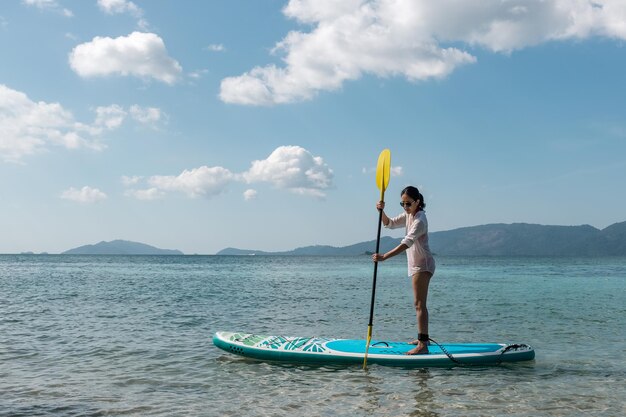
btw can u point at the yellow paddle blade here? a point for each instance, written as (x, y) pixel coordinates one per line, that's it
(383, 171)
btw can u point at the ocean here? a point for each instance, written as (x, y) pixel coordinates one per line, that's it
(131, 335)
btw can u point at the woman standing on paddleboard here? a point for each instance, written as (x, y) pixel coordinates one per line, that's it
(421, 264)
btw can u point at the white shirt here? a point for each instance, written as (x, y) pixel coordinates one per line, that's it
(418, 254)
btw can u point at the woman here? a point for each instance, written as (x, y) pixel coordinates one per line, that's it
(421, 264)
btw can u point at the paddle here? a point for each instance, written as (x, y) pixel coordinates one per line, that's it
(382, 180)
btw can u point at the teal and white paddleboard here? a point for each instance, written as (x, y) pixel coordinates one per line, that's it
(347, 351)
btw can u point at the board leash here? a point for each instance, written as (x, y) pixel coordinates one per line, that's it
(448, 354)
(498, 363)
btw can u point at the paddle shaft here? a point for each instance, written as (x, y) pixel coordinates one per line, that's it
(380, 222)
(370, 324)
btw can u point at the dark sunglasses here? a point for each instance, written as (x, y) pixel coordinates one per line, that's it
(407, 204)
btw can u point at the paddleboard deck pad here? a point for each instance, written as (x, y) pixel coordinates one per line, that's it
(348, 351)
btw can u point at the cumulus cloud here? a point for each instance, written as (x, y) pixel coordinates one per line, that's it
(139, 54)
(49, 5)
(292, 168)
(394, 171)
(110, 117)
(203, 181)
(249, 194)
(216, 47)
(146, 195)
(119, 6)
(198, 74)
(146, 115)
(123, 7)
(414, 39)
(131, 180)
(28, 127)
(86, 195)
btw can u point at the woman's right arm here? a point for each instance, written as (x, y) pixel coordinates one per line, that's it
(391, 222)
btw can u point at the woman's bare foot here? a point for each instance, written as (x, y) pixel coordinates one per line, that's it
(420, 349)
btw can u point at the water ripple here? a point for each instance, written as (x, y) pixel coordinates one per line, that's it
(96, 336)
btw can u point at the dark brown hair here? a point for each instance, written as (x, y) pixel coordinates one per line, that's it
(415, 194)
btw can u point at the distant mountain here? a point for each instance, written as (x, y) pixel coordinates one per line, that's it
(517, 239)
(120, 247)
(521, 239)
(386, 243)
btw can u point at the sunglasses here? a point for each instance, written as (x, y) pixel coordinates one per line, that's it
(407, 204)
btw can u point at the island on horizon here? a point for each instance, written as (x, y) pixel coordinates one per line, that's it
(120, 247)
(516, 239)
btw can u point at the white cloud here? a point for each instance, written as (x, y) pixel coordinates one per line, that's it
(128, 181)
(198, 74)
(28, 127)
(251, 89)
(119, 6)
(139, 54)
(396, 171)
(143, 25)
(249, 194)
(292, 168)
(110, 117)
(216, 47)
(41, 4)
(146, 195)
(146, 115)
(49, 5)
(409, 38)
(122, 7)
(85, 195)
(203, 181)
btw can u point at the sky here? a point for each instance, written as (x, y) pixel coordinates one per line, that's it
(200, 125)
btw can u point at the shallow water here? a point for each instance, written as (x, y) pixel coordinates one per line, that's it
(118, 335)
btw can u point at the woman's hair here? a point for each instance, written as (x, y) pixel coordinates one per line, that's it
(415, 194)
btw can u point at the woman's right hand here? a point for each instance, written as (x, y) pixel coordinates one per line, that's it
(380, 205)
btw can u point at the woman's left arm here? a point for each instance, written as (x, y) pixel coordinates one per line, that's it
(377, 257)
(417, 229)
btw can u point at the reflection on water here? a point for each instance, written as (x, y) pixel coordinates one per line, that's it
(425, 404)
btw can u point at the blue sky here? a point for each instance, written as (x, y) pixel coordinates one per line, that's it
(200, 125)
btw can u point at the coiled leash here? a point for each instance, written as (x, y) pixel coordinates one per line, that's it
(426, 338)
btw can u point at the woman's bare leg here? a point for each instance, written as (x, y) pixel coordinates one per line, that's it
(420, 295)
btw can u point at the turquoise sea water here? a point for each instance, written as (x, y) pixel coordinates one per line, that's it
(131, 335)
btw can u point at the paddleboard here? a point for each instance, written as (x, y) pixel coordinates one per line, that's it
(349, 351)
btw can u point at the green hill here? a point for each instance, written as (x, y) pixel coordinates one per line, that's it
(517, 239)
